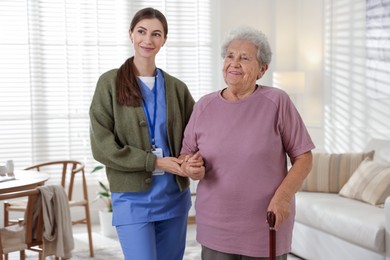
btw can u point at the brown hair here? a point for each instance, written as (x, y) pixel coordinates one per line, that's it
(126, 81)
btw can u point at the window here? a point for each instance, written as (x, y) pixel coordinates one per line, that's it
(52, 53)
(356, 72)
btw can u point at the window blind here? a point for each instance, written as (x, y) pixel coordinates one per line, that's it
(378, 48)
(344, 70)
(356, 72)
(52, 53)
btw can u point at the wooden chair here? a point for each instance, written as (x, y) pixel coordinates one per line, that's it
(69, 169)
(27, 234)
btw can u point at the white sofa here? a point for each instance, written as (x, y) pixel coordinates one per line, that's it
(332, 227)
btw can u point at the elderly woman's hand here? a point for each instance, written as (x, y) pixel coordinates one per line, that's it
(193, 166)
(280, 205)
(281, 201)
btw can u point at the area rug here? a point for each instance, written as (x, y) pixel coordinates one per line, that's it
(107, 248)
(114, 253)
(106, 253)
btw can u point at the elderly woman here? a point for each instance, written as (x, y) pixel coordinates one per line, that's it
(244, 133)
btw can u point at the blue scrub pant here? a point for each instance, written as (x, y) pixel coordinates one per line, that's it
(160, 240)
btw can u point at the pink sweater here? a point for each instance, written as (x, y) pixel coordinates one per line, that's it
(244, 145)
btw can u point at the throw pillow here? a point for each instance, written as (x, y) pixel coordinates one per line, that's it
(369, 183)
(332, 170)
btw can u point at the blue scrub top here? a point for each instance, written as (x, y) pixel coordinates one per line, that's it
(164, 200)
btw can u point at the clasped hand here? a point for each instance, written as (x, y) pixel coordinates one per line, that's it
(193, 166)
(190, 165)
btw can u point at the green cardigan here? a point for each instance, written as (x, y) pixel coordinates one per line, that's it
(119, 134)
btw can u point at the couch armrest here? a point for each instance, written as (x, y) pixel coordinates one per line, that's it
(387, 226)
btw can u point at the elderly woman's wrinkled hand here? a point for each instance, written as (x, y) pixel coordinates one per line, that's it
(193, 166)
(280, 205)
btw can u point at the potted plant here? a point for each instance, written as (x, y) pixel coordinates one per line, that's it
(105, 215)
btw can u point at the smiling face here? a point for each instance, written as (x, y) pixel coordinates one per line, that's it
(148, 37)
(240, 66)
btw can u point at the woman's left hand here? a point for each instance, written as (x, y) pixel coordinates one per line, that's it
(280, 205)
(281, 201)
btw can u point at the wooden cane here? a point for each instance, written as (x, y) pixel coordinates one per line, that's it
(272, 235)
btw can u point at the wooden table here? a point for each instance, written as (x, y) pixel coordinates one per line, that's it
(24, 180)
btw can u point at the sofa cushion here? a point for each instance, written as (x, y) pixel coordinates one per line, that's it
(351, 220)
(369, 183)
(331, 171)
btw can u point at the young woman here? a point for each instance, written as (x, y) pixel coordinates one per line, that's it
(138, 115)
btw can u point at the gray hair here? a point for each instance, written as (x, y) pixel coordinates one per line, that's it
(254, 36)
